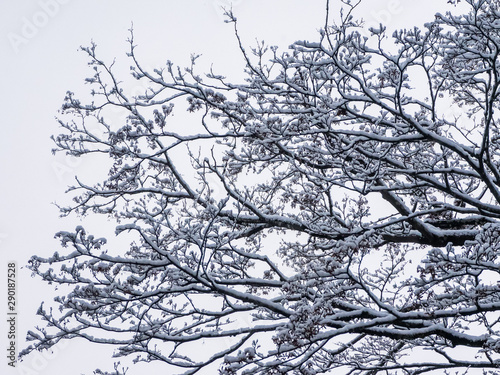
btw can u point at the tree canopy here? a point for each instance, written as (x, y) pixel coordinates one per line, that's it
(338, 210)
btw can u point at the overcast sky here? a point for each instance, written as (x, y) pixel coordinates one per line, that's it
(39, 42)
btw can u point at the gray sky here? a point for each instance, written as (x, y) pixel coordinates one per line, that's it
(39, 40)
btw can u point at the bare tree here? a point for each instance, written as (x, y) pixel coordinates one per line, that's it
(330, 213)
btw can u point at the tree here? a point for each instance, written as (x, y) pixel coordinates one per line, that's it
(334, 215)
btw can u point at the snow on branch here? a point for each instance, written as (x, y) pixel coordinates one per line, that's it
(337, 210)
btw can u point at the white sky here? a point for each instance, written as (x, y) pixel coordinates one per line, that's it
(40, 62)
